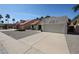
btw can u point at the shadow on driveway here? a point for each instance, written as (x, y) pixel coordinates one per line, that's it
(73, 43)
(20, 34)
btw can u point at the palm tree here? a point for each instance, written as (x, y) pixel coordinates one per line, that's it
(7, 17)
(0, 17)
(76, 8)
(13, 20)
(2, 21)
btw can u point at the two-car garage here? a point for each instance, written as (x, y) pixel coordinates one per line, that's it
(55, 24)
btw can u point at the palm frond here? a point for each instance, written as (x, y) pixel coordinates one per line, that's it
(75, 8)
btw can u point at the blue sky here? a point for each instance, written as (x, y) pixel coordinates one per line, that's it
(30, 11)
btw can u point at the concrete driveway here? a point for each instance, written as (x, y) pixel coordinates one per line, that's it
(38, 43)
(73, 43)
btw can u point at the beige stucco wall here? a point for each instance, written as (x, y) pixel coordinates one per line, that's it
(56, 28)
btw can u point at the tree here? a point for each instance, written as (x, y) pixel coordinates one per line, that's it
(7, 17)
(41, 17)
(22, 21)
(76, 8)
(2, 21)
(13, 20)
(0, 17)
(47, 16)
(37, 18)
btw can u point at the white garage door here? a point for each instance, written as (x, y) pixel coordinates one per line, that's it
(56, 28)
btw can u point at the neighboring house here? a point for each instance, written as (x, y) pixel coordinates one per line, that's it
(75, 24)
(1, 26)
(32, 24)
(7, 26)
(23, 25)
(55, 24)
(75, 21)
(35, 25)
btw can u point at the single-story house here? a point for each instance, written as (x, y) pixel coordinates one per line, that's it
(23, 25)
(35, 25)
(7, 26)
(1, 26)
(32, 24)
(47, 24)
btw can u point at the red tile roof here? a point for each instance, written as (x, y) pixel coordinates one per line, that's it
(35, 22)
(32, 22)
